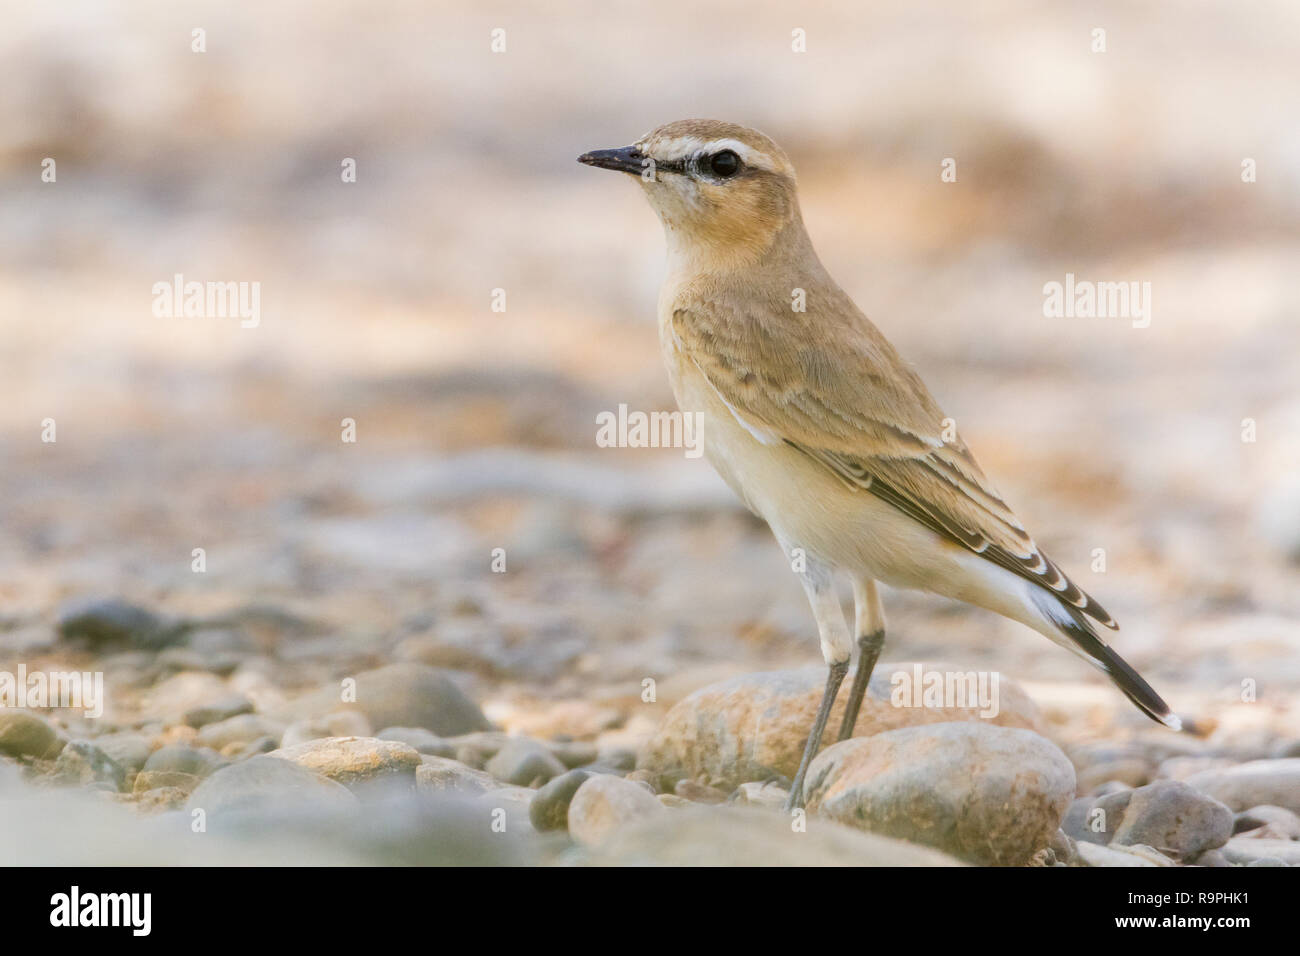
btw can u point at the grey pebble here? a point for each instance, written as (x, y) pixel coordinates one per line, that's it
(82, 763)
(24, 734)
(179, 758)
(271, 786)
(111, 621)
(128, 750)
(424, 741)
(523, 761)
(1213, 858)
(218, 711)
(414, 695)
(1172, 816)
(1280, 822)
(549, 809)
(239, 729)
(574, 753)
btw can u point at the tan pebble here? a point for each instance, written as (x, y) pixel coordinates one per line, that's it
(699, 792)
(178, 734)
(643, 777)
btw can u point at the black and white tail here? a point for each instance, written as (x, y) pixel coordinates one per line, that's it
(1072, 623)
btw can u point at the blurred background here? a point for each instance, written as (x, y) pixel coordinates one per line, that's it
(476, 428)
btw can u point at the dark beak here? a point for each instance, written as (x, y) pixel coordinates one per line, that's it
(625, 159)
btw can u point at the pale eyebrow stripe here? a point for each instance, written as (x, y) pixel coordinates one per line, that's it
(747, 154)
(682, 147)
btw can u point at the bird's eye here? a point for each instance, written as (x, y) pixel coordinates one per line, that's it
(725, 163)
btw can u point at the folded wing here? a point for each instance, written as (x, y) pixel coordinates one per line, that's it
(849, 402)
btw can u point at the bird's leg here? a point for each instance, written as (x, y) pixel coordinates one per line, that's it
(871, 638)
(819, 584)
(869, 646)
(834, 678)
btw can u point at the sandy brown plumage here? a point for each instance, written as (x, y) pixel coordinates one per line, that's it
(814, 419)
(848, 401)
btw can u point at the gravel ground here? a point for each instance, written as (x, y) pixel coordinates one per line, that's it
(473, 635)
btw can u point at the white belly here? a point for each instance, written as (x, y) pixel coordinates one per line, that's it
(808, 507)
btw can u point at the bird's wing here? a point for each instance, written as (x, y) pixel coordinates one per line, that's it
(847, 400)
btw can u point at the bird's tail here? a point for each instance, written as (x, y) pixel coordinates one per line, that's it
(1084, 641)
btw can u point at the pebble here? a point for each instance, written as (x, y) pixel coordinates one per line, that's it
(408, 695)
(344, 723)
(1082, 823)
(514, 803)
(354, 760)
(262, 745)
(486, 742)
(576, 753)
(644, 777)
(240, 729)
(753, 727)
(524, 762)
(1062, 847)
(699, 792)
(755, 794)
(445, 775)
(23, 734)
(1245, 849)
(1286, 748)
(1251, 784)
(992, 795)
(1266, 821)
(183, 759)
(175, 734)
(218, 710)
(171, 698)
(82, 763)
(1098, 764)
(161, 799)
(147, 780)
(1180, 768)
(749, 837)
(472, 756)
(1169, 815)
(1129, 772)
(622, 759)
(549, 809)
(574, 719)
(269, 785)
(111, 621)
(603, 804)
(1146, 852)
(129, 751)
(1092, 854)
(483, 649)
(419, 738)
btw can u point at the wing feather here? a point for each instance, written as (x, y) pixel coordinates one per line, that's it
(849, 402)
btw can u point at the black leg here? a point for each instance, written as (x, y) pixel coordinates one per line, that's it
(869, 646)
(833, 680)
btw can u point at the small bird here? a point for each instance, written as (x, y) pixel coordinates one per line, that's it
(815, 421)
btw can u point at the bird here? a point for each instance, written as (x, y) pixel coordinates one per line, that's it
(822, 429)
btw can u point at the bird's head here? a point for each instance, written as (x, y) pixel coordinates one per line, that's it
(724, 192)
